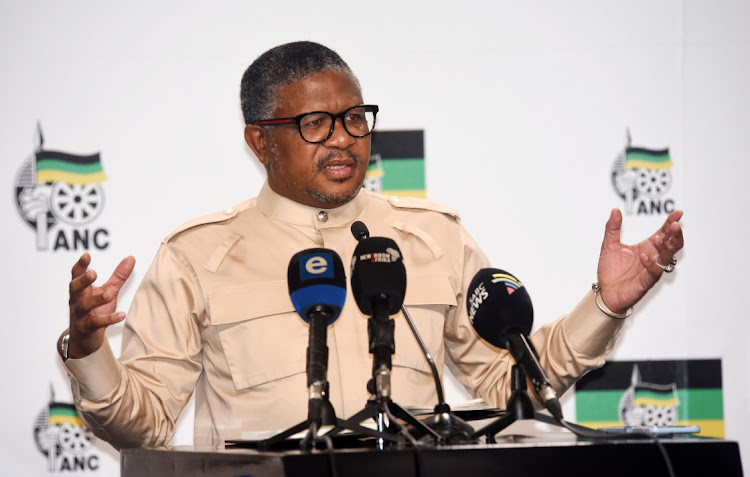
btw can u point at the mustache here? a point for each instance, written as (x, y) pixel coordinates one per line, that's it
(322, 162)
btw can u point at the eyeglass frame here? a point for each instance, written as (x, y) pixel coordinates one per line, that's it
(298, 120)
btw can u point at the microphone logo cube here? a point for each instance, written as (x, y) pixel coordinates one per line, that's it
(316, 266)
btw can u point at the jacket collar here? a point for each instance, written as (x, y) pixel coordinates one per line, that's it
(280, 208)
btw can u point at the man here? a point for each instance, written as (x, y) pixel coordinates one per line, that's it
(213, 315)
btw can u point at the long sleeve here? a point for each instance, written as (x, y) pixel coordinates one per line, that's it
(135, 402)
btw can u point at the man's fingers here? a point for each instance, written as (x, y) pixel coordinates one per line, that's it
(91, 308)
(103, 321)
(122, 272)
(653, 268)
(85, 303)
(668, 240)
(675, 241)
(83, 278)
(79, 268)
(92, 322)
(674, 217)
(81, 282)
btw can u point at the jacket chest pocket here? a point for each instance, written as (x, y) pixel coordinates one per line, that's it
(264, 340)
(428, 299)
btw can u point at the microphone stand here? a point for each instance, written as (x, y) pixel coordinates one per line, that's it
(320, 412)
(519, 408)
(380, 329)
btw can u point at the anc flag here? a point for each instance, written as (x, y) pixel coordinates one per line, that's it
(53, 166)
(655, 396)
(63, 413)
(678, 393)
(642, 158)
(397, 163)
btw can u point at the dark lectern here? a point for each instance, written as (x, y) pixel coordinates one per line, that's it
(626, 458)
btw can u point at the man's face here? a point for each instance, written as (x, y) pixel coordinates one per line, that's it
(324, 175)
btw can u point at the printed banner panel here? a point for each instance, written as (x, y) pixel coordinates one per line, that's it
(653, 393)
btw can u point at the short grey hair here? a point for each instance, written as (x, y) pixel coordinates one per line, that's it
(279, 67)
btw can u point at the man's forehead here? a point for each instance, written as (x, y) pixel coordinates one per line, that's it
(320, 91)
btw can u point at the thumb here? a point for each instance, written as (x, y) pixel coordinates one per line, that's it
(612, 229)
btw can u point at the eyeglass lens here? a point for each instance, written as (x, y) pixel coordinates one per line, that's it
(317, 127)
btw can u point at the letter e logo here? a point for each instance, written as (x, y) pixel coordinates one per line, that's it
(316, 265)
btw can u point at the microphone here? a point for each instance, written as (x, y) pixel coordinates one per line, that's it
(500, 310)
(450, 427)
(378, 276)
(360, 231)
(317, 288)
(379, 284)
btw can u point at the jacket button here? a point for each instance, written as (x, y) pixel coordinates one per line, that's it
(323, 216)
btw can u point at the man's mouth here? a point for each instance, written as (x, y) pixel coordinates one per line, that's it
(338, 167)
(338, 171)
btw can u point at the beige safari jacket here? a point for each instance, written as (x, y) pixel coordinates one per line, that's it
(213, 316)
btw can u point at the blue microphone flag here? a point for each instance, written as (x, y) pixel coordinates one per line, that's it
(316, 277)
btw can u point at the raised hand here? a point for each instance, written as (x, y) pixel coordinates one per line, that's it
(627, 272)
(92, 309)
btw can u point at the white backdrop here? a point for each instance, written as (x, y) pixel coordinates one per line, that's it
(525, 106)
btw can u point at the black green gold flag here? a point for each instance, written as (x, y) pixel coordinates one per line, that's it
(653, 393)
(397, 164)
(63, 413)
(642, 158)
(53, 166)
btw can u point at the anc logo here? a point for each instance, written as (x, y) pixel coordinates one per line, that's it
(52, 188)
(511, 283)
(642, 178)
(648, 404)
(61, 436)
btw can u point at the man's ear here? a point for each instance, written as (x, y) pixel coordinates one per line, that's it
(257, 138)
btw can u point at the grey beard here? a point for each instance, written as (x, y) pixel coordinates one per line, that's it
(335, 200)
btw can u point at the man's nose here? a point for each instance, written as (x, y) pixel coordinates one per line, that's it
(340, 138)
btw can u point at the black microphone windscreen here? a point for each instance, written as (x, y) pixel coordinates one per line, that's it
(497, 304)
(316, 277)
(359, 230)
(378, 269)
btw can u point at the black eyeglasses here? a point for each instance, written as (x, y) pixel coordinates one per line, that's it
(317, 126)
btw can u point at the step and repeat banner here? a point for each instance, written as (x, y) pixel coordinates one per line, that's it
(119, 122)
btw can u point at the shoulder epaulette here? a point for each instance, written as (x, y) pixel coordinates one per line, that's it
(215, 217)
(417, 203)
